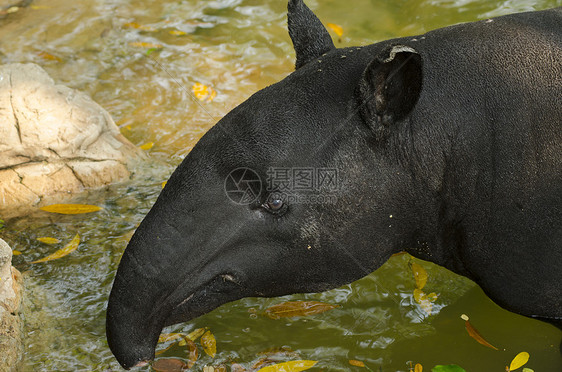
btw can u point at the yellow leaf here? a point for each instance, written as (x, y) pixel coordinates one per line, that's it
(420, 275)
(203, 92)
(425, 301)
(297, 308)
(49, 57)
(147, 146)
(294, 366)
(336, 28)
(194, 335)
(418, 368)
(177, 32)
(69, 248)
(70, 208)
(193, 353)
(48, 240)
(209, 344)
(16, 253)
(356, 363)
(477, 336)
(139, 26)
(519, 360)
(164, 184)
(165, 337)
(142, 44)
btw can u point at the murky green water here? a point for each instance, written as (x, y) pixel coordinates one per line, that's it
(236, 47)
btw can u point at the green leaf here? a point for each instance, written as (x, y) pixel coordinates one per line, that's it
(1, 224)
(447, 368)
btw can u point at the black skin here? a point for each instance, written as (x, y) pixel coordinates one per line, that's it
(447, 145)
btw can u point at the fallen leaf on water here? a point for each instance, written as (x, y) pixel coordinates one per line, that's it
(48, 240)
(475, 334)
(447, 368)
(527, 370)
(294, 366)
(165, 337)
(142, 44)
(420, 275)
(177, 32)
(49, 57)
(147, 146)
(70, 208)
(169, 365)
(209, 344)
(356, 363)
(137, 26)
(70, 247)
(164, 184)
(16, 252)
(297, 308)
(193, 353)
(338, 30)
(203, 92)
(519, 360)
(425, 300)
(418, 368)
(193, 335)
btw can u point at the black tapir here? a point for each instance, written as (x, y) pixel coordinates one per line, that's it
(447, 145)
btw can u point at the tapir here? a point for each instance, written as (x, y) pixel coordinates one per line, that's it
(446, 145)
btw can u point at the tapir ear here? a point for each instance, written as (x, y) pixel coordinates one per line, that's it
(310, 37)
(389, 88)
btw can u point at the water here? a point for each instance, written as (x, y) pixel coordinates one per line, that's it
(236, 47)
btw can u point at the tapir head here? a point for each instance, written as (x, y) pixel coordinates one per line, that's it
(293, 191)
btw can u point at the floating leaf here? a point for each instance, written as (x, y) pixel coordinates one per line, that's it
(177, 32)
(137, 26)
(418, 368)
(194, 335)
(165, 337)
(420, 275)
(169, 365)
(70, 208)
(209, 344)
(338, 30)
(48, 240)
(519, 360)
(16, 252)
(142, 44)
(164, 184)
(294, 366)
(70, 247)
(356, 363)
(527, 370)
(147, 146)
(297, 308)
(49, 57)
(203, 92)
(475, 334)
(193, 353)
(425, 300)
(447, 368)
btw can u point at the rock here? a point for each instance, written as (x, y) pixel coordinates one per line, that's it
(11, 344)
(54, 141)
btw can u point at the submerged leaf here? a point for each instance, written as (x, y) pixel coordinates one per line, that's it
(338, 30)
(209, 344)
(203, 92)
(49, 57)
(420, 275)
(70, 208)
(169, 365)
(177, 32)
(147, 146)
(70, 247)
(48, 240)
(476, 335)
(297, 308)
(16, 252)
(193, 353)
(447, 368)
(519, 360)
(293, 366)
(356, 363)
(425, 300)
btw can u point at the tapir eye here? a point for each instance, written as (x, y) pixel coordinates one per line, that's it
(275, 204)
